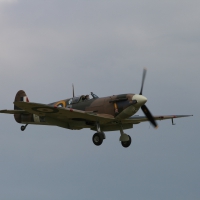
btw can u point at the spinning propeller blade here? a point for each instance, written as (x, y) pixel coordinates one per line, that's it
(143, 78)
(149, 116)
(143, 107)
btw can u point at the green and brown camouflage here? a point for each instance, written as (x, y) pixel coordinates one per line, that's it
(118, 108)
(111, 105)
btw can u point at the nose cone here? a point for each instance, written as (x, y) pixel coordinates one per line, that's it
(141, 100)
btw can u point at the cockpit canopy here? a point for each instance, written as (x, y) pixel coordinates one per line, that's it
(82, 98)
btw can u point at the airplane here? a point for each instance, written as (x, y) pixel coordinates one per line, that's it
(103, 114)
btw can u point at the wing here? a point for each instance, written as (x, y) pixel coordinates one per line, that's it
(66, 114)
(137, 119)
(63, 114)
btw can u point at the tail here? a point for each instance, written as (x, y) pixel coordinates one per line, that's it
(21, 96)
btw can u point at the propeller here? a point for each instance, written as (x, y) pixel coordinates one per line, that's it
(149, 116)
(144, 107)
(143, 78)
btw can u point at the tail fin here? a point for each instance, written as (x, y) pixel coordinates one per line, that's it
(20, 96)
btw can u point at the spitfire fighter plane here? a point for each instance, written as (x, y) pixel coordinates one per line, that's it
(88, 111)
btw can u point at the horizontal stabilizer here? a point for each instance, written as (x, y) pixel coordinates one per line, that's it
(14, 112)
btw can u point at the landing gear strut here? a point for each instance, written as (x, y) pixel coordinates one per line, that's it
(23, 127)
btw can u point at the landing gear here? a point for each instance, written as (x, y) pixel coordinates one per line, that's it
(98, 139)
(124, 138)
(23, 127)
(126, 143)
(99, 136)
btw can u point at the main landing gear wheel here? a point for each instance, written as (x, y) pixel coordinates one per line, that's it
(97, 139)
(126, 143)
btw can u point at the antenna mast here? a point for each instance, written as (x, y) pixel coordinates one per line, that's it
(73, 89)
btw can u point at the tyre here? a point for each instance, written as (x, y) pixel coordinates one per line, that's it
(97, 139)
(126, 143)
(23, 128)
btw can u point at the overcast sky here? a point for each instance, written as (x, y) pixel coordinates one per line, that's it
(101, 46)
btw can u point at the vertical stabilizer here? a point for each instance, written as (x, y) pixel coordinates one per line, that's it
(21, 96)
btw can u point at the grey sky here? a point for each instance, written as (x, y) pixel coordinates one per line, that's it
(101, 46)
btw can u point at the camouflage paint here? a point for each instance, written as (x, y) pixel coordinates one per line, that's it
(21, 118)
(112, 105)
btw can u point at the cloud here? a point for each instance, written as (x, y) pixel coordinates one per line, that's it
(5, 4)
(7, 1)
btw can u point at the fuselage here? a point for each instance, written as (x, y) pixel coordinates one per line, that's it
(120, 106)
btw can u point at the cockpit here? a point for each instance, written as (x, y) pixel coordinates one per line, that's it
(82, 98)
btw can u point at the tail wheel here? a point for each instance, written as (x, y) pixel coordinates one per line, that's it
(97, 139)
(23, 128)
(126, 143)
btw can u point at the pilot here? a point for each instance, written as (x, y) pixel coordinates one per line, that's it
(87, 97)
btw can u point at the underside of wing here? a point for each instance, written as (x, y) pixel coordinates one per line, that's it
(63, 114)
(137, 119)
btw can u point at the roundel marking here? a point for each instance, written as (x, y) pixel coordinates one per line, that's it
(60, 104)
(45, 109)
